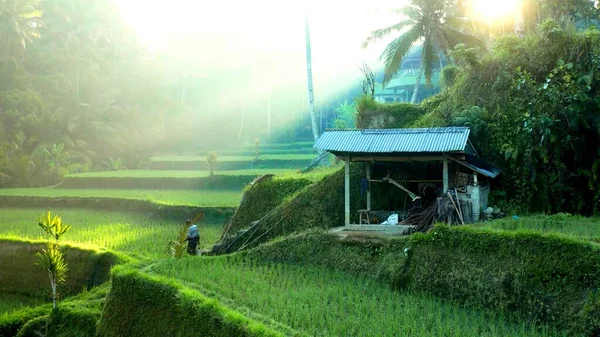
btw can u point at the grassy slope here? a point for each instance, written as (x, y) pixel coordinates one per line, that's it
(131, 233)
(572, 226)
(176, 174)
(143, 305)
(173, 197)
(323, 302)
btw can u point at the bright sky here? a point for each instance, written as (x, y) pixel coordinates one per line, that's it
(265, 40)
(491, 10)
(264, 35)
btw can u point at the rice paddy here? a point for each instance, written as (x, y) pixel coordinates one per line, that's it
(329, 303)
(559, 224)
(135, 234)
(205, 198)
(318, 302)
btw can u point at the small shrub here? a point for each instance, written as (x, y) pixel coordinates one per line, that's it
(212, 161)
(52, 258)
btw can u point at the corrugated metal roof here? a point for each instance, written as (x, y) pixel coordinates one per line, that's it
(450, 139)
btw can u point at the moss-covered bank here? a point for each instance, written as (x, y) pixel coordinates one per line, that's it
(143, 305)
(88, 267)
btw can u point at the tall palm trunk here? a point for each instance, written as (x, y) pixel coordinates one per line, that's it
(519, 22)
(311, 95)
(242, 121)
(413, 100)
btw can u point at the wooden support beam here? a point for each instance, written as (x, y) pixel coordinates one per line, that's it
(409, 181)
(445, 175)
(347, 190)
(369, 186)
(403, 159)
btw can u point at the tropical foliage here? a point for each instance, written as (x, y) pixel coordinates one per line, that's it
(425, 21)
(533, 109)
(77, 91)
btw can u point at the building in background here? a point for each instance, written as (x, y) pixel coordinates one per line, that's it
(400, 89)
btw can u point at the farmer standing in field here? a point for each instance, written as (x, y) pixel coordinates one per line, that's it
(193, 236)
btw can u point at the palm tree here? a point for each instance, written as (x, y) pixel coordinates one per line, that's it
(19, 23)
(423, 21)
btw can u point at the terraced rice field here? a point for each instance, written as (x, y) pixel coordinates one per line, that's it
(213, 198)
(560, 224)
(136, 234)
(323, 302)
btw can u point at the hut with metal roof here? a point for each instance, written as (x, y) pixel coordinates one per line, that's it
(461, 168)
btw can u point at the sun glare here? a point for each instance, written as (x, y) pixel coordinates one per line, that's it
(492, 10)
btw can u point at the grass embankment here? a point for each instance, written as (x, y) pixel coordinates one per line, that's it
(176, 173)
(170, 180)
(282, 161)
(77, 316)
(323, 302)
(168, 197)
(148, 306)
(284, 207)
(282, 157)
(21, 274)
(560, 224)
(139, 235)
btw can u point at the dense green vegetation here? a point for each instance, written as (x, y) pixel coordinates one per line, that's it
(68, 96)
(322, 302)
(531, 107)
(173, 197)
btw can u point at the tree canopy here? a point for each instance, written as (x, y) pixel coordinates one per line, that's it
(77, 90)
(426, 22)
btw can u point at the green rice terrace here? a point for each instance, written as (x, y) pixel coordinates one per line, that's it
(295, 281)
(201, 168)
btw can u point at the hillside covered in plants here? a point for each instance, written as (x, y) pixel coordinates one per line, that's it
(532, 106)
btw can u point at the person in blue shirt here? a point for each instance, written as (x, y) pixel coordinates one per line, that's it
(193, 237)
